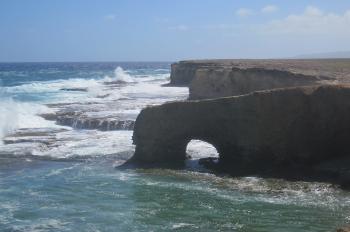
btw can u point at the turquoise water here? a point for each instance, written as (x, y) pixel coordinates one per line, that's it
(94, 196)
(60, 178)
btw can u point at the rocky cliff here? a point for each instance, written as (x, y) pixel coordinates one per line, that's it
(216, 83)
(297, 132)
(220, 78)
(183, 72)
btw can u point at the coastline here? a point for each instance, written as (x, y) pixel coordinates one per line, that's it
(288, 94)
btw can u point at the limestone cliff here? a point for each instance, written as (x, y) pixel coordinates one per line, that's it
(220, 78)
(232, 82)
(263, 133)
(183, 72)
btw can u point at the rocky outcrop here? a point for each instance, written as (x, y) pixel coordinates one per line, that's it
(182, 75)
(344, 229)
(214, 83)
(95, 123)
(78, 120)
(183, 72)
(292, 132)
(221, 78)
(75, 89)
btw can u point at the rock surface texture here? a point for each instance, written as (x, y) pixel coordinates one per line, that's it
(344, 229)
(221, 78)
(290, 132)
(297, 125)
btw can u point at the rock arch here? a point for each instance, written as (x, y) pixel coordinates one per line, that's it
(255, 133)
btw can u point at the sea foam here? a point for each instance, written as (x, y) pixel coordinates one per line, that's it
(120, 75)
(8, 117)
(14, 115)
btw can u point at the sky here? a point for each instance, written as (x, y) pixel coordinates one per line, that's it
(170, 30)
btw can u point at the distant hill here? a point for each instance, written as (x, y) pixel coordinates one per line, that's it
(345, 54)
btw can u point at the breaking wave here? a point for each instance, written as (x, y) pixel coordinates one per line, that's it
(8, 118)
(79, 117)
(120, 75)
(14, 115)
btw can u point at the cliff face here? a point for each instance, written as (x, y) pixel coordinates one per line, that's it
(296, 126)
(260, 133)
(221, 78)
(182, 73)
(232, 82)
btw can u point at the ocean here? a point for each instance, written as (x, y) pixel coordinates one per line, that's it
(66, 127)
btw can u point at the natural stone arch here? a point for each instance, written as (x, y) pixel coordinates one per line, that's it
(263, 132)
(164, 140)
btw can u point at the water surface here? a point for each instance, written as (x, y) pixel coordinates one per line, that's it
(64, 177)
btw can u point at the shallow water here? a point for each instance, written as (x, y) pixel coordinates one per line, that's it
(94, 196)
(61, 178)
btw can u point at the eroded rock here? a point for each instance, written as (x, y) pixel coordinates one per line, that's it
(282, 132)
(344, 229)
(209, 83)
(78, 120)
(221, 78)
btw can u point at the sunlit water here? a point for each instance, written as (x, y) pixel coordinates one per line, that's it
(61, 178)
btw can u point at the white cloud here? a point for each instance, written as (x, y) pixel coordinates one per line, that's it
(110, 17)
(313, 11)
(269, 9)
(312, 21)
(179, 28)
(243, 12)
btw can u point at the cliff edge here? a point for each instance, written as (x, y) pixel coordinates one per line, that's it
(294, 132)
(220, 78)
(276, 118)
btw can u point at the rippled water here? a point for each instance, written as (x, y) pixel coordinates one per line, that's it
(93, 196)
(60, 178)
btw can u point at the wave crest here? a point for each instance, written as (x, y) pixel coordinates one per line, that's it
(8, 118)
(120, 75)
(14, 115)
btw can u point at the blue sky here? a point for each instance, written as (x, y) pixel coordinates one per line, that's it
(164, 30)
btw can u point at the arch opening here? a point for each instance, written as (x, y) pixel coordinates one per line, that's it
(200, 154)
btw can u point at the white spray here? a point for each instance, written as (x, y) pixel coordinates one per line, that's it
(8, 115)
(120, 75)
(14, 115)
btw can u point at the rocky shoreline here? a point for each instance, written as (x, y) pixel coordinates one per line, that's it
(78, 120)
(275, 118)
